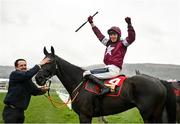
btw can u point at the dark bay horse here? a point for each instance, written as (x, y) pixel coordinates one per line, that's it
(176, 86)
(149, 95)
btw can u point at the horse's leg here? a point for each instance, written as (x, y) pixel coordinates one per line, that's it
(145, 117)
(150, 115)
(164, 116)
(102, 120)
(148, 118)
(178, 112)
(84, 118)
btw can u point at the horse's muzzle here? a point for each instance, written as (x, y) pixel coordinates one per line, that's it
(40, 80)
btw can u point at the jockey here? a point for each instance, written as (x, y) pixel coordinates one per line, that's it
(116, 48)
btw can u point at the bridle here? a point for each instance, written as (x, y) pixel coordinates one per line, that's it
(48, 96)
(48, 79)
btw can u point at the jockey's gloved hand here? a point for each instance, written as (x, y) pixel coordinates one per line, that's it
(128, 20)
(90, 19)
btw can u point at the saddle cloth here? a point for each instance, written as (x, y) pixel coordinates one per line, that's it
(115, 84)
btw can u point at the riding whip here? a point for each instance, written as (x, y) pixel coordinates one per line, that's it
(85, 23)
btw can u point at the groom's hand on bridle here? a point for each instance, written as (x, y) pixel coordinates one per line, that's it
(45, 61)
(44, 88)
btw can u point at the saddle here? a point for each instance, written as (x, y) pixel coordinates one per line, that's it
(115, 84)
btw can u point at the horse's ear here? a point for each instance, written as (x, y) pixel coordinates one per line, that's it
(138, 72)
(45, 51)
(52, 50)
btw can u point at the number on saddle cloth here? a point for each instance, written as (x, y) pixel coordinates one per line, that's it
(116, 83)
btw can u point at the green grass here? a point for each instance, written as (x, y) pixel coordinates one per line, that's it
(40, 110)
(2, 95)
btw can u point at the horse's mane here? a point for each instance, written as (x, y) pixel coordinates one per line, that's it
(68, 64)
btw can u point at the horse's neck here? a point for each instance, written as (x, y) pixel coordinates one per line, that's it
(70, 75)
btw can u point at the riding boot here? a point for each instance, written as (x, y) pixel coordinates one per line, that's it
(104, 89)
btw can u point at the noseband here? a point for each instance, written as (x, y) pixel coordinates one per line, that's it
(53, 73)
(48, 79)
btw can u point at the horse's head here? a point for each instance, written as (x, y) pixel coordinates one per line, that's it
(47, 70)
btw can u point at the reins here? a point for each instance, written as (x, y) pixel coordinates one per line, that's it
(58, 104)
